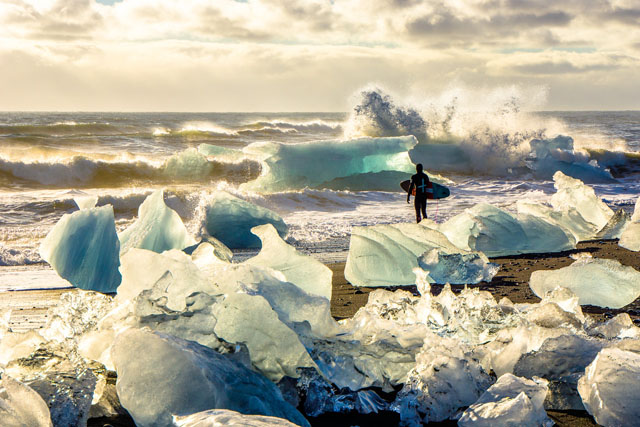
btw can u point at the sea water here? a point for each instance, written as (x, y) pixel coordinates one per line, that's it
(48, 159)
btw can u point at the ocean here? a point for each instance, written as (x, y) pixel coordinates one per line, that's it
(48, 159)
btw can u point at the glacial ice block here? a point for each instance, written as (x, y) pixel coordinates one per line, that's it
(158, 228)
(385, 255)
(630, 237)
(62, 379)
(599, 282)
(443, 380)
(312, 164)
(610, 388)
(83, 248)
(230, 220)
(21, 406)
(511, 401)
(457, 268)
(568, 219)
(495, 232)
(160, 376)
(225, 417)
(573, 193)
(301, 270)
(615, 226)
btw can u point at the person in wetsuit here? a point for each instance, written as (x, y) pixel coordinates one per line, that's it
(420, 182)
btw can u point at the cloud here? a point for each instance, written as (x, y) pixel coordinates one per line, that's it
(298, 54)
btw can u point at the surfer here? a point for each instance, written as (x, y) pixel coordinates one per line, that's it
(419, 181)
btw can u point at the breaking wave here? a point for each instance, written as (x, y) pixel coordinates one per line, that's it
(497, 138)
(188, 166)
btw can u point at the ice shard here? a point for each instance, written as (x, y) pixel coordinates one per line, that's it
(61, 378)
(615, 226)
(317, 163)
(457, 268)
(561, 361)
(83, 248)
(444, 380)
(630, 237)
(225, 417)
(610, 388)
(511, 401)
(230, 220)
(385, 255)
(158, 228)
(573, 193)
(301, 270)
(160, 376)
(21, 406)
(599, 282)
(86, 202)
(568, 219)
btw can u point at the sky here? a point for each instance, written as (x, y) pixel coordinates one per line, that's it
(313, 55)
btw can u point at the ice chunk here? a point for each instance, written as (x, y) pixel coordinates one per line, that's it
(599, 282)
(301, 270)
(457, 268)
(158, 228)
(313, 164)
(142, 269)
(225, 417)
(615, 226)
(160, 376)
(83, 248)
(573, 193)
(274, 348)
(610, 388)
(230, 220)
(21, 406)
(511, 401)
(568, 219)
(630, 237)
(385, 255)
(86, 202)
(63, 380)
(496, 232)
(620, 326)
(444, 380)
(561, 361)
(557, 154)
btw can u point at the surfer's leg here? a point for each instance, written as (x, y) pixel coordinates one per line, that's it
(416, 203)
(423, 207)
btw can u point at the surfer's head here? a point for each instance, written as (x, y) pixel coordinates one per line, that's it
(419, 167)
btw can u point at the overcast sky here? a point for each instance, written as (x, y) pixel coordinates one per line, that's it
(311, 55)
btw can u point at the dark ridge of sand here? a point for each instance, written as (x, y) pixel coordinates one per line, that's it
(512, 280)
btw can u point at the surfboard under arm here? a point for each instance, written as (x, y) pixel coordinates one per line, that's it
(434, 191)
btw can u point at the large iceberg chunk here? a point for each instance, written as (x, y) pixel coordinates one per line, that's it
(225, 417)
(301, 270)
(158, 228)
(496, 232)
(568, 219)
(230, 220)
(600, 282)
(630, 237)
(160, 376)
(615, 226)
(83, 248)
(610, 388)
(385, 255)
(21, 406)
(314, 164)
(511, 401)
(573, 193)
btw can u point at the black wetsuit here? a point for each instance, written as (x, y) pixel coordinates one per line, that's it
(420, 182)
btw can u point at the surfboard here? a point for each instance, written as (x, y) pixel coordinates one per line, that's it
(434, 191)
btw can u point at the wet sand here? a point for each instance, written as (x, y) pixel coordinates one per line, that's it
(512, 280)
